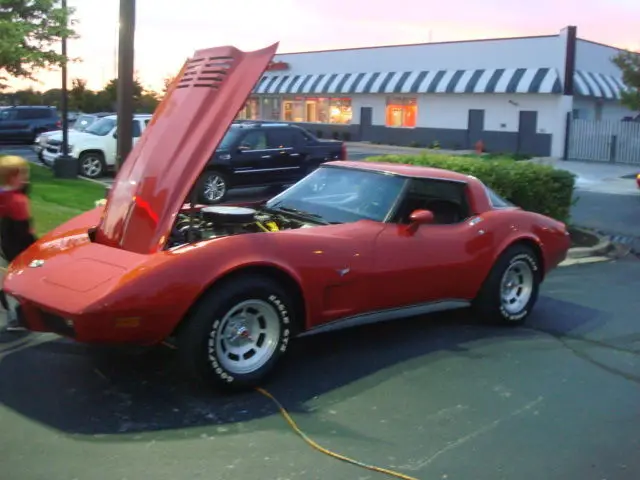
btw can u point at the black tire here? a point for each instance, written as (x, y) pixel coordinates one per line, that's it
(205, 193)
(92, 164)
(202, 345)
(522, 262)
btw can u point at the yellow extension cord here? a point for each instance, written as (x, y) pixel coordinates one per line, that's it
(321, 449)
(313, 444)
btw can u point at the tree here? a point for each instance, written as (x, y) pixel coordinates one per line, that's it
(77, 93)
(30, 31)
(166, 83)
(629, 63)
(111, 91)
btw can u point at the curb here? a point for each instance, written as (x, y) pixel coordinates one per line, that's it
(604, 246)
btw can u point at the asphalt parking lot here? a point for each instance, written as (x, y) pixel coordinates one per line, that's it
(439, 397)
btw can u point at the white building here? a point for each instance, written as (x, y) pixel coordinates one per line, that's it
(513, 94)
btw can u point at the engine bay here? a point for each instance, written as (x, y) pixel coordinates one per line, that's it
(209, 222)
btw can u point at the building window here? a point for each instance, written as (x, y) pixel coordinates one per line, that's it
(327, 110)
(251, 110)
(293, 109)
(270, 108)
(401, 112)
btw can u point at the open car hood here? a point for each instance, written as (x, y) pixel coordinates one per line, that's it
(162, 168)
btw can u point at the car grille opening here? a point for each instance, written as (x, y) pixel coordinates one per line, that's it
(57, 324)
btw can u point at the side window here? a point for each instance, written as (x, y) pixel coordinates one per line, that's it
(496, 200)
(136, 128)
(282, 138)
(254, 140)
(446, 199)
(33, 113)
(7, 114)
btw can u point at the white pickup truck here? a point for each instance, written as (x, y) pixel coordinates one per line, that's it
(96, 147)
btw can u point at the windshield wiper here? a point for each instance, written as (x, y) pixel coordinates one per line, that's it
(296, 211)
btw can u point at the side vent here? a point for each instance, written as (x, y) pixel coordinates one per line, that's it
(206, 72)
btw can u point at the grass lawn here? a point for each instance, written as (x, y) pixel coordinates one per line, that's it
(54, 200)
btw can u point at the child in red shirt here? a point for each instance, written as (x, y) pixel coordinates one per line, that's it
(16, 233)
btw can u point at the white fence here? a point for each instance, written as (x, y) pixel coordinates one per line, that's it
(610, 141)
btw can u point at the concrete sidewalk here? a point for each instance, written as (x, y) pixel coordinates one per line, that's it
(598, 177)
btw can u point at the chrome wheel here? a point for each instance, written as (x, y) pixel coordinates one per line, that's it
(91, 166)
(247, 337)
(214, 188)
(516, 287)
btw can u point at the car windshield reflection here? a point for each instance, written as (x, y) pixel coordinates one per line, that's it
(340, 195)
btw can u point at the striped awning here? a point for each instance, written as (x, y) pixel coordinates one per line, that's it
(498, 80)
(598, 85)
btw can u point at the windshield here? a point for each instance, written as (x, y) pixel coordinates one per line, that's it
(339, 195)
(102, 127)
(82, 122)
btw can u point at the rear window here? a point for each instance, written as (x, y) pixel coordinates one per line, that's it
(496, 200)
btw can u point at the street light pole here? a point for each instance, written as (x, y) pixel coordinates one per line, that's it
(65, 166)
(125, 79)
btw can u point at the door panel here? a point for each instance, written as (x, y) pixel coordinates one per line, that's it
(423, 267)
(286, 161)
(251, 160)
(475, 127)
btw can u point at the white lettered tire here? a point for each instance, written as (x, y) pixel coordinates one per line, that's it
(238, 333)
(511, 289)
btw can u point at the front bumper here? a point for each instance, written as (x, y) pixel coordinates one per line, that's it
(49, 158)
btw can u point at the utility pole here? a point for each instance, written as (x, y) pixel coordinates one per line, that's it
(65, 166)
(125, 79)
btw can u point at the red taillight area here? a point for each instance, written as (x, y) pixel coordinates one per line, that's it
(343, 152)
(59, 124)
(638, 180)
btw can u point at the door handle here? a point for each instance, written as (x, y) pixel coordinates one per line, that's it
(295, 155)
(265, 156)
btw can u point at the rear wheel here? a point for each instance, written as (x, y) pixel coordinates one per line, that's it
(237, 333)
(213, 187)
(510, 292)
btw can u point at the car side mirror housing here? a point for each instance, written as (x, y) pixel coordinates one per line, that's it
(115, 134)
(421, 217)
(417, 218)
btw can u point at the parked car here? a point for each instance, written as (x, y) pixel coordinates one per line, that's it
(257, 154)
(95, 147)
(81, 123)
(232, 286)
(25, 123)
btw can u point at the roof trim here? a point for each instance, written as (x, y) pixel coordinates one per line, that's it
(606, 45)
(529, 37)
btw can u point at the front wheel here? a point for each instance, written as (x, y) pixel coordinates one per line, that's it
(92, 164)
(237, 333)
(511, 290)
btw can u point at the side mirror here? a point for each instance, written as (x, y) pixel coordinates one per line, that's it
(417, 218)
(115, 134)
(421, 217)
(242, 148)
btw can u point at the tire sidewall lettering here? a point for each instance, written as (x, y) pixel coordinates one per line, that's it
(285, 335)
(533, 264)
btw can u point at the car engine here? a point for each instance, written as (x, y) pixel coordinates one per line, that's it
(222, 221)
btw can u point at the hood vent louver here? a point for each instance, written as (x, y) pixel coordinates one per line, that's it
(205, 72)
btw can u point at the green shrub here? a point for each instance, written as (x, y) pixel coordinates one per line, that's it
(533, 187)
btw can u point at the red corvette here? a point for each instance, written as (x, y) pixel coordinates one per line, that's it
(234, 285)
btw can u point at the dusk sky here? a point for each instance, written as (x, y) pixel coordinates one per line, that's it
(169, 31)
